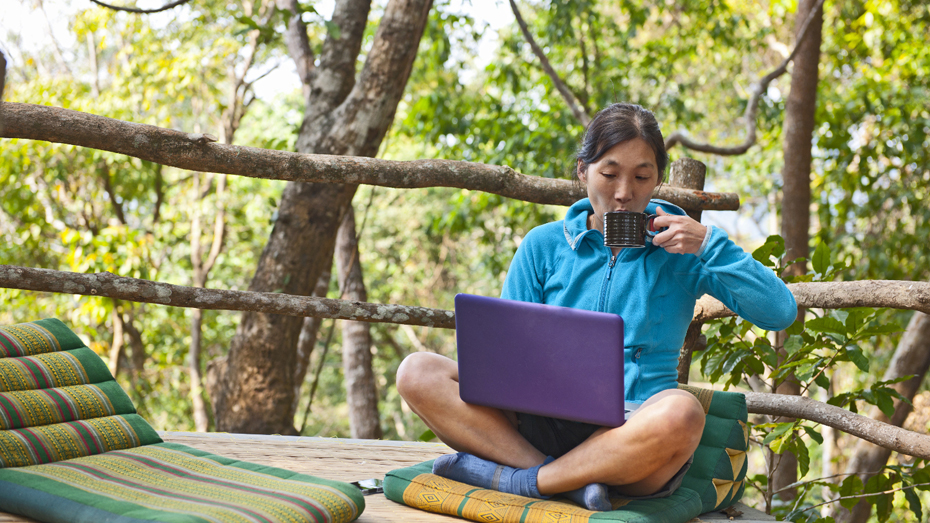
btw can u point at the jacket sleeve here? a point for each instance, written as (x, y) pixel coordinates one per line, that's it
(747, 287)
(524, 282)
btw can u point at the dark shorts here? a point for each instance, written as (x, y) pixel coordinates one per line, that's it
(555, 437)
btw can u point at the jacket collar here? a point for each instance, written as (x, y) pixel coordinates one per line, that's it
(575, 224)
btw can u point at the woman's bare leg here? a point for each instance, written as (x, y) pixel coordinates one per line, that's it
(429, 384)
(640, 456)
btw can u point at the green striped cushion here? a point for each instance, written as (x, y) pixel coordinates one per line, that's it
(417, 487)
(62, 441)
(58, 400)
(73, 449)
(56, 369)
(171, 482)
(30, 408)
(38, 337)
(718, 472)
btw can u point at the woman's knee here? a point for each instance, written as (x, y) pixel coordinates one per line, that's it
(681, 416)
(419, 373)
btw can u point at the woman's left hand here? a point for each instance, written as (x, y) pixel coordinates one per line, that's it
(683, 235)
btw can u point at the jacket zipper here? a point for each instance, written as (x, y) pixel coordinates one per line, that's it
(602, 302)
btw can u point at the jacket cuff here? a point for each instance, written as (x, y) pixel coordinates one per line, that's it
(700, 251)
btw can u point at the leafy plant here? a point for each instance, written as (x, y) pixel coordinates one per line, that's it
(809, 352)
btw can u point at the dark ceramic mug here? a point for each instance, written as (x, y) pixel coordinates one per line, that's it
(627, 228)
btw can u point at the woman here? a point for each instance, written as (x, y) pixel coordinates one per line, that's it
(621, 161)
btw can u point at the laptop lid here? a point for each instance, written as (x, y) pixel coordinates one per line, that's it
(540, 359)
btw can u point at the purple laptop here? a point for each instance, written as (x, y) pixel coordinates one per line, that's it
(540, 359)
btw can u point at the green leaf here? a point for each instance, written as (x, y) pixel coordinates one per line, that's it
(793, 344)
(913, 501)
(856, 319)
(885, 402)
(825, 324)
(822, 380)
(821, 260)
(427, 436)
(804, 458)
(796, 328)
(851, 486)
(813, 434)
(780, 429)
(875, 330)
(855, 355)
(774, 246)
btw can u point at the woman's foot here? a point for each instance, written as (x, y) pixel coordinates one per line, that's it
(478, 472)
(592, 497)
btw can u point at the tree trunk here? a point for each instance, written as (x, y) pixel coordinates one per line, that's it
(798, 130)
(253, 388)
(361, 393)
(912, 357)
(306, 341)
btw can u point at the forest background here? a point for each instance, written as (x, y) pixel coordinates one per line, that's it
(476, 92)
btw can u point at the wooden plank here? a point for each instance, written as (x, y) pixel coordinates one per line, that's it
(348, 460)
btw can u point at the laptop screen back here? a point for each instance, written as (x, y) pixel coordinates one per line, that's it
(540, 359)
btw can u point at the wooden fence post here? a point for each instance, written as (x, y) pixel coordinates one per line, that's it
(689, 173)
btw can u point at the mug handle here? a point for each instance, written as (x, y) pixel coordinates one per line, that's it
(649, 219)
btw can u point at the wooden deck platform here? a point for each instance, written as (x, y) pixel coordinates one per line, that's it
(348, 460)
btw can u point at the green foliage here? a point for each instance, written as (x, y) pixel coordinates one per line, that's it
(811, 353)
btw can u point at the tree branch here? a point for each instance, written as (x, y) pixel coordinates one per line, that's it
(892, 294)
(196, 152)
(298, 44)
(165, 7)
(868, 293)
(144, 291)
(336, 72)
(888, 436)
(752, 109)
(563, 89)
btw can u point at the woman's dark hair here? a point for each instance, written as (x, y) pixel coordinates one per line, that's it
(618, 123)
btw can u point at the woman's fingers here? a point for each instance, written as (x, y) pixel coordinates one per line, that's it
(682, 234)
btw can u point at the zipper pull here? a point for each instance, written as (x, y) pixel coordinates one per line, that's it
(639, 352)
(613, 260)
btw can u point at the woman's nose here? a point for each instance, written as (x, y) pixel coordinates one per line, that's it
(623, 192)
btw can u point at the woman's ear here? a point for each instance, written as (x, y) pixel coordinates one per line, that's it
(581, 172)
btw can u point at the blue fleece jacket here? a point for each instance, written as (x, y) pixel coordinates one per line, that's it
(564, 263)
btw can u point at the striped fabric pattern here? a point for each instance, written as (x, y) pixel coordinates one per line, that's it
(417, 487)
(26, 339)
(31, 408)
(38, 337)
(165, 477)
(61, 441)
(44, 371)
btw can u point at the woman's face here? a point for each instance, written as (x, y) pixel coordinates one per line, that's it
(621, 180)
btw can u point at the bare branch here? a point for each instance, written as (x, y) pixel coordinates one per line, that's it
(752, 109)
(198, 152)
(895, 438)
(165, 7)
(892, 294)
(563, 89)
(869, 293)
(298, 44)
(133, 289)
